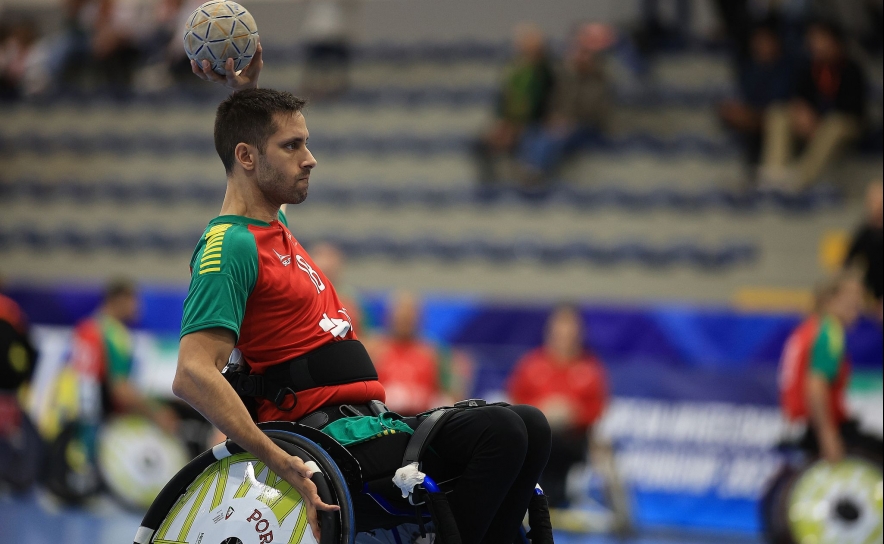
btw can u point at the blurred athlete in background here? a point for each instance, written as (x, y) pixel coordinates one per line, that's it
(417, 374)
(815, 373)
(102, 357)
(21, 448)
(568, 384)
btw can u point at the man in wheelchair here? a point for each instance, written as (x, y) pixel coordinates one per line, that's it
(255, 289)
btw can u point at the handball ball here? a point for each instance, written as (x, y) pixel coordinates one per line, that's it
(218, 30)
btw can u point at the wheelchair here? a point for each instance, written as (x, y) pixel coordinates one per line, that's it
(811, 500)
(227, 496)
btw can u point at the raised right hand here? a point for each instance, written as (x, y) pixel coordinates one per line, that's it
(247, 78)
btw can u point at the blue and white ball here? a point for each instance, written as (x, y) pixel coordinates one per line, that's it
(218, 30)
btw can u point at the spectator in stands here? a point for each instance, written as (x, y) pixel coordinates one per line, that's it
(521, 103)
(16, 48)
(327, 42)
(867, 247)
(579, 108)
(826, 111)
(102, 357)
(99, 44)
(417, 374)
(815, 372)
(765, 79)
(568, 384)
(656, 32)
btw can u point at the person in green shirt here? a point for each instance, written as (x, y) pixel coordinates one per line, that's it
(102, 356)
(830, 429)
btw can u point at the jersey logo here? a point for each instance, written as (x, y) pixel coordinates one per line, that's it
(337, 327)
(284, 259)
(211, 259)
(314, 277)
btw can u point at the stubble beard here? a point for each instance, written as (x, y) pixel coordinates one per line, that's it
(275, 186)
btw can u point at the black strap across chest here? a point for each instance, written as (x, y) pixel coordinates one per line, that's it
(338, 363)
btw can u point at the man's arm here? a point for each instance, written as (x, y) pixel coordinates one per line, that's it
(824, 364)
(199, 382)
(128, 398)
(831, 445)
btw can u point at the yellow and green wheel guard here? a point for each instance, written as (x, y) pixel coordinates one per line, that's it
(837, 504)
(237, 499)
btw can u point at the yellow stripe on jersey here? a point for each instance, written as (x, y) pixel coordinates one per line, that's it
(211, 258)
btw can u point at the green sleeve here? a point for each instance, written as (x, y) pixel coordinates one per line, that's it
(282, 217)
(118, 346)
(828, 350)
(224, 272)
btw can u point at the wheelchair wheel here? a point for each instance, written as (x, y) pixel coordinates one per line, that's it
(227, 496)
(136, 459)
(834, 504)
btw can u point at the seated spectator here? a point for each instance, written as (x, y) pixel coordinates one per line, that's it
(815, 372)
(521, 103)
(765, 79)
(579, 108)
(327, 47)
(568, 384)
(416, 374)
(16, 47)
(826, 112)
(867, 247)
(656, 32)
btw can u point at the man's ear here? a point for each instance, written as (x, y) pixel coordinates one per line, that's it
(246, 156)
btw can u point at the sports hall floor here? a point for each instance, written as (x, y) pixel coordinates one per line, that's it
(25, 520)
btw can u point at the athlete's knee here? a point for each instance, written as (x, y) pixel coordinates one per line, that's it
(508, 430)
(537, 428)
(535, 422)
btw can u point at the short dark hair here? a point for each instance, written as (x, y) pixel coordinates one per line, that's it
(247, 116)
(119, 287)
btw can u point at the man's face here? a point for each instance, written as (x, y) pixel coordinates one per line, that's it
(848, 302)
(404, 317)
(125, 307)
(822, 45)
(765, 46)
(283, 170)
(564, 333)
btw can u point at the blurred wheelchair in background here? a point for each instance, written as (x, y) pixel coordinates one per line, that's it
(824, 503)
(227, 496)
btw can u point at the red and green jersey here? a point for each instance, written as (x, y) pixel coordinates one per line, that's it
(102, 349)
(256, 280)
(818, 346)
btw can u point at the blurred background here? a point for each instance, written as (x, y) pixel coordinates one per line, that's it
(640, 193)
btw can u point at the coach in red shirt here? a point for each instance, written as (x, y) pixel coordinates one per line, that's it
(568, 384)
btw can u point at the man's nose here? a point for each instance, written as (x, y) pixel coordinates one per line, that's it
(310, 161)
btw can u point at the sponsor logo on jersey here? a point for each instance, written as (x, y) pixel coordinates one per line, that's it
(284, 259)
